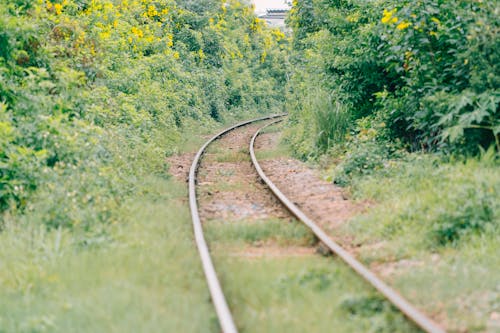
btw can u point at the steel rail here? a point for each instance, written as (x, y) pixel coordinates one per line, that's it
(219, 301)
(417, 317)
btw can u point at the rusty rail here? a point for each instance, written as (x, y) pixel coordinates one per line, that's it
(219, 301)
(394, 297)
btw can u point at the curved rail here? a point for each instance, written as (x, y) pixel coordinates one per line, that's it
(395, 298)
(221, 308)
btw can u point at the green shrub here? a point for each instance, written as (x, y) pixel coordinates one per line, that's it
(428, 69)
(361, 160)
(473, 211)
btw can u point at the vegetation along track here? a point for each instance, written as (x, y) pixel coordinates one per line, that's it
(226, 320)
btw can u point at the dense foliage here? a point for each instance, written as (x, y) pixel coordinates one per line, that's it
(93, 94)
(423, 73)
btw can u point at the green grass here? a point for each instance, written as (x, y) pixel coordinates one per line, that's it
(445, 216)
(233, 157)
(281, 150)
(303, 294)
(141, 274)
(282, 232)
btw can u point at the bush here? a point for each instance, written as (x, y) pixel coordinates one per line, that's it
(361, 160)
(473, 212)
(94, 94)
(428, 69)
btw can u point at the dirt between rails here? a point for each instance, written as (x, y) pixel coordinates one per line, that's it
(229, 189)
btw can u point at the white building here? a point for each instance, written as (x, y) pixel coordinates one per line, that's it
(275, 18)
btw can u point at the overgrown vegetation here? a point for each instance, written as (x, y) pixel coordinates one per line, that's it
(406, 77)
(419, 82)
(93, 94)
(427, 71)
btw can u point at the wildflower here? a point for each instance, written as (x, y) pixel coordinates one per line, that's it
(137, 32)
(389, 16)
(403, 25)
(104, 34)
(176, 55)
(263, 57)
(58, 8)
(278, 34)
(152, 12)
(201, 54)
(49, 5)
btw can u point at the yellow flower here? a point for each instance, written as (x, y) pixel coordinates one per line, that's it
(49, 5)
(152, 12)
(58, 8)
(104, 35)
(176, 55)
(137, 32)
(403, 25)
(201, 54)
(389, 16)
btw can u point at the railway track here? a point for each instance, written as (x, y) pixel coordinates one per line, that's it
(224, 315)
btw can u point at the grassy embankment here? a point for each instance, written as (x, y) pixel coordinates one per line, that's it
(399, 102)
(443, 219)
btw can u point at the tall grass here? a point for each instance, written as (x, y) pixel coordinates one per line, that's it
(316, 123)
(331, 120)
